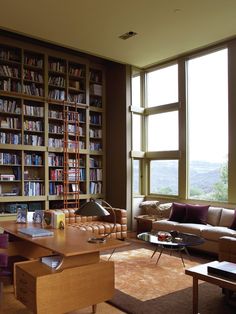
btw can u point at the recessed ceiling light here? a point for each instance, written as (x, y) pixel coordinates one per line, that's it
(127, 35)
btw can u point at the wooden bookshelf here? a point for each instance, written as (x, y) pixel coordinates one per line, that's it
(33, 89)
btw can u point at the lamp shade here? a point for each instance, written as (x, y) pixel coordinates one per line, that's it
(92, 208)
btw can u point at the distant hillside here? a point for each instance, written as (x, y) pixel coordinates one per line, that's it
(203, 175)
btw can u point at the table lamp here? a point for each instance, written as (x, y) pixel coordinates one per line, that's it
(94, 208)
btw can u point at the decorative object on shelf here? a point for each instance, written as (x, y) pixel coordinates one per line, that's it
(94, 208)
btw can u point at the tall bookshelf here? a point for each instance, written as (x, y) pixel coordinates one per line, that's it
(33, 90)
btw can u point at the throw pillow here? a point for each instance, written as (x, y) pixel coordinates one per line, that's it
(197, 214)
(233, 226)
(178, 212)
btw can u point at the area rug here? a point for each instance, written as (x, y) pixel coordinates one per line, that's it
(144, 287)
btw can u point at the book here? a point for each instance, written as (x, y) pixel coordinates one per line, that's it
(38, 216)
(223, 269)
(36, 232)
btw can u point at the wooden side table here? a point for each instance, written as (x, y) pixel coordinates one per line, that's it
(144, 223)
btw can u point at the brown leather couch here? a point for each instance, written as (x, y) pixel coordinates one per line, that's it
(99, 225)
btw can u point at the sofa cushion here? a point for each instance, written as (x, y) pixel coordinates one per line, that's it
(227, 217)
(164, 225)
(233, 225)
(196, 214)
(178, 212)
(213, 215)
(191, 228)
(216, 232)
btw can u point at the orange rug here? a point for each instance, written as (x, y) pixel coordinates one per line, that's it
(144, 287)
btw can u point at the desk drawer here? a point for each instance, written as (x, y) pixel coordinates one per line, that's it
(25, 288)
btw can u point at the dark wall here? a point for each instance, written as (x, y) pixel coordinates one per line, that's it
(116, 180)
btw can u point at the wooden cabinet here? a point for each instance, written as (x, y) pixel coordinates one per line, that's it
(44, 290)
(34, 88)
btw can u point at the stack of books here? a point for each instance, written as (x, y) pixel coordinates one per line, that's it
(224, 269)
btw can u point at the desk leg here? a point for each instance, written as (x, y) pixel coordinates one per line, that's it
(195, 295)
(94, 306)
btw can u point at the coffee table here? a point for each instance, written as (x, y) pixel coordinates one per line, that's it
(179, 242)
(200, 272)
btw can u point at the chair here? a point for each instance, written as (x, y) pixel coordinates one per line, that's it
(4, 272)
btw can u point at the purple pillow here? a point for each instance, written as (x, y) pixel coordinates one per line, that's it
(178, 212)
(197, 214)
(233, 226)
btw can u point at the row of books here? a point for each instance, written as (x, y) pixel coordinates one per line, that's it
(95, 101)
(6, 70)
(33, 188)
(95, 146)
(32, 89)
(55, 160)
(9, 54)
(33, 61)
(31, 125)
(95, 174)
(96, 89)
(95, 187)
(95, 162)
(75, 71)
(77, 98)
(9, 159)
(55, 189)
(33, 76)
(10, 86)
(57, 81)
(55, 114)
(55, 128)
(10, 138)
(33, 159)
(35, 111)
(57, 94)
(57, 66)
(11, 106)
(35, 140)
(56, 174)
(95, 133)
(95, 119)
(10, 123)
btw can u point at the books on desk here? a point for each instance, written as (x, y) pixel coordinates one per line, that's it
(36, 232)
(223, 269)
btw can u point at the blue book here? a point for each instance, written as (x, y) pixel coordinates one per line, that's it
(36, 232)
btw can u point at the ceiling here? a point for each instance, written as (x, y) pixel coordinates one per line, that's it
(165, 28)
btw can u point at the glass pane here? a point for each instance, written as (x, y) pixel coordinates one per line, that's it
(136, 91)
(136, 132)
(208, 126)
(136, 177)
(162, 86)
(164, 177)
(163, 131)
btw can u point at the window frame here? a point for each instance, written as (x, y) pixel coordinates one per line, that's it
(181, 154)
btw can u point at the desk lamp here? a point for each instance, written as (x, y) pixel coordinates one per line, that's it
(94, 208)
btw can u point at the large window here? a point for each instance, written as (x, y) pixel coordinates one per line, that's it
(163, 131)
(185, 128)
(208, 126)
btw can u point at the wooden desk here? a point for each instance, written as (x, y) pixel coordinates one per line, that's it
(82, 279)
(200, 273)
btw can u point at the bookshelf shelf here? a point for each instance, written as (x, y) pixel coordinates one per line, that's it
(34, 87)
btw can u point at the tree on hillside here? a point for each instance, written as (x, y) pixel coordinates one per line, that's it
(221, 187)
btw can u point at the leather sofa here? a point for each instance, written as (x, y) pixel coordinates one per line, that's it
(99, 225)
(217, 225)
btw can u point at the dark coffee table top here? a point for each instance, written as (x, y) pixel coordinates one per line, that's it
(178, 240)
